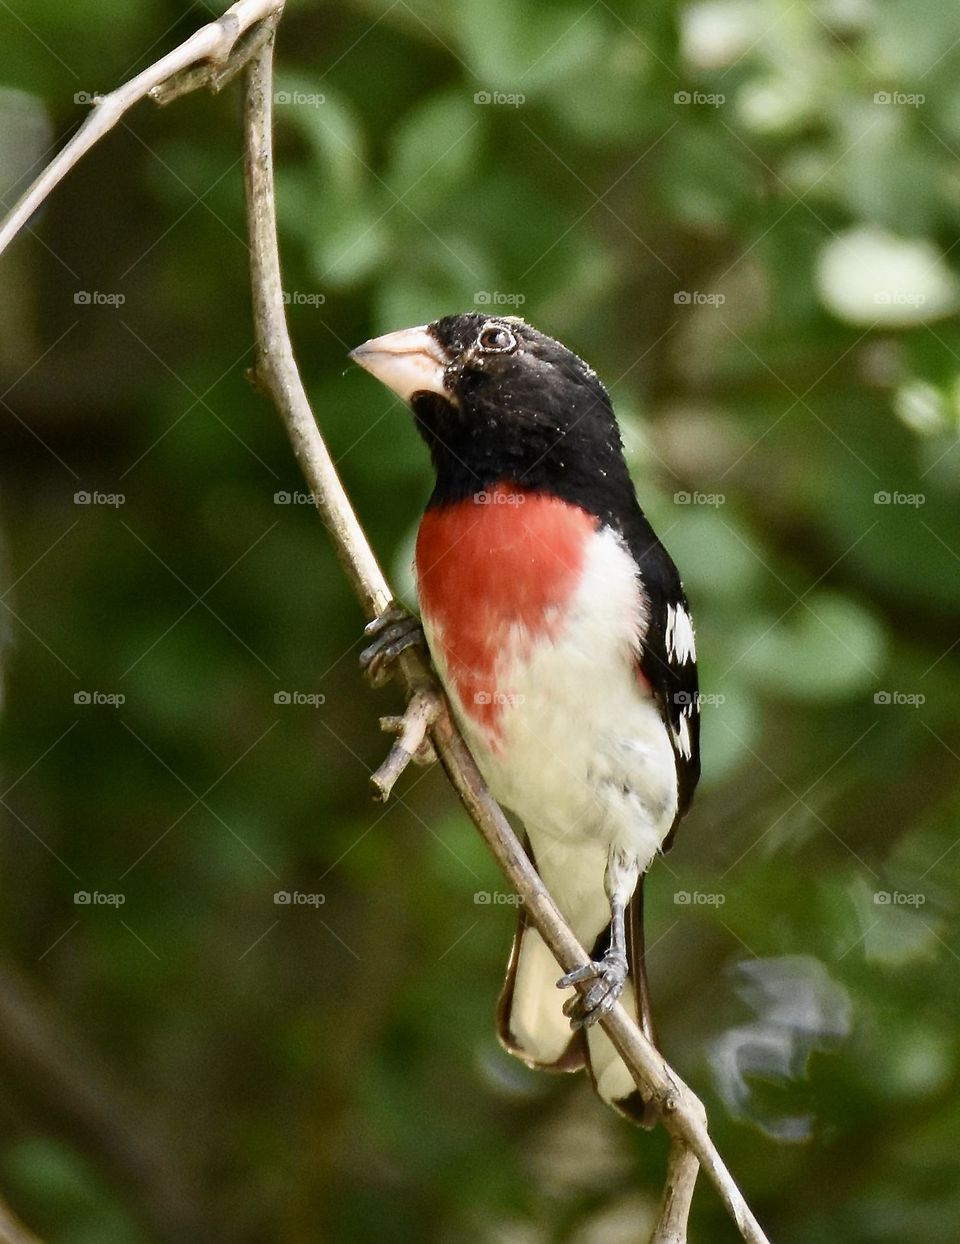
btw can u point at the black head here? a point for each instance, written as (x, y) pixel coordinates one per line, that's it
(496, 401)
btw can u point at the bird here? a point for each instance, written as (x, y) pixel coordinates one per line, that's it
(560, 631)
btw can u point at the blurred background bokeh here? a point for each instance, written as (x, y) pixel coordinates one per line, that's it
(744, 214)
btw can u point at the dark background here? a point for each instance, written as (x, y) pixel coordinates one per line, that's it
(745, 216)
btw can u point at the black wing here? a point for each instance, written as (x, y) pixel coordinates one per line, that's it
(667, 655)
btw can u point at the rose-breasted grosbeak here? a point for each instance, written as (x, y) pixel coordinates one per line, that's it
(559, 628)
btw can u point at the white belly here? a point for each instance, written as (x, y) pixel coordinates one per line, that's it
(583, 756)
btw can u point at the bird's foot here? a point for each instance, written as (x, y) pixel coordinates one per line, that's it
(393, 632)
(609, 975)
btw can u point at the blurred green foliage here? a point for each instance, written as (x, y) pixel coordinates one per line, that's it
(745, 215)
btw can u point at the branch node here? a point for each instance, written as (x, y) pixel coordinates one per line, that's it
(223, 63)
(412, 743)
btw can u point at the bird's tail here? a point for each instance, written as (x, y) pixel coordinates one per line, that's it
(530, 1022)
(532, 1025)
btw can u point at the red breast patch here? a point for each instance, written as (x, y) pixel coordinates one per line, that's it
(504, 559)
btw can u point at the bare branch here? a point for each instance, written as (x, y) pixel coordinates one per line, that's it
(212, 43)
(276, 370)
(412, 728)
(682, 1170)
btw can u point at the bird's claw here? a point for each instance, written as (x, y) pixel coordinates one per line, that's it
(609, 975)
(392, 632)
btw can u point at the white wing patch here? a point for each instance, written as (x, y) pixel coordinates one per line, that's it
(681, 646)
(683, 735)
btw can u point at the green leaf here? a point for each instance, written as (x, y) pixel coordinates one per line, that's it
(826, 648)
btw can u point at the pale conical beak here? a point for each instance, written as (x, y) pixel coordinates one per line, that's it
(408, 362)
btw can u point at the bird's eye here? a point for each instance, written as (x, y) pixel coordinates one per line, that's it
(497, 340)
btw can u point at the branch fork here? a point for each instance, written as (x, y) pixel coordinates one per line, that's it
(413, 740)
(205, 59)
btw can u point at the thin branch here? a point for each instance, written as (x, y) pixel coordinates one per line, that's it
(12, 1231)
(212, 44)
(411, 728)
(682, 1170)
(276, 372)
